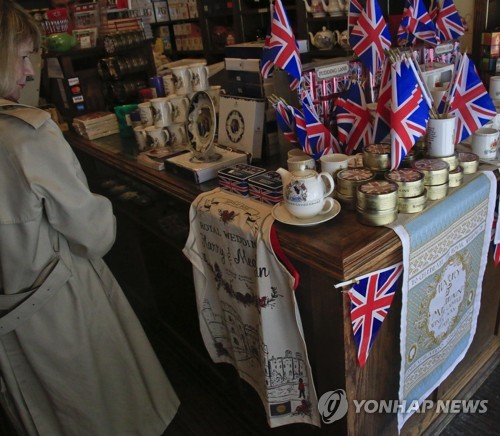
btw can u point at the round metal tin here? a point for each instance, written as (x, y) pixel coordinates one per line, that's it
(456, 177)
(452, 160)
(413, 204)
(376, 218)
(468, 161)
(410, 181)
(377, 157)
(435, 171)
(436, 192)
(377, 195)
(349, 179)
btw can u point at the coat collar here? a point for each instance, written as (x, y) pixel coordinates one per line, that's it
(29, 114)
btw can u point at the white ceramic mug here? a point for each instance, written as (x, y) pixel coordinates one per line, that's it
(168, 84)
(157, 136)
(181, 77)
(180, 105)
(162, 111)
(441, 137)
(215, 92)
(140, 137)
(294, 152)
(199, 76)
(146, 113)
(333, 163)
(178, 135)
(300, 163)
(494, 88)
(484, 143)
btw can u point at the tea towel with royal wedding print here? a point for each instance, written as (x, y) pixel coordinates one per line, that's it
(445, 251)
(246, 304)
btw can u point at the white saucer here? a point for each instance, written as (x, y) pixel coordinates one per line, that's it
(281, 214)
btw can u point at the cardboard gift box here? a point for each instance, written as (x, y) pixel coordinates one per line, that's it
(266, 187)
(235, 178)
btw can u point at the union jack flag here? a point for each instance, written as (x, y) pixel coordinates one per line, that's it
(354, 12)
(409, 111)
(320, 139)
(370, 36)
(433, 10)
(300, 130)
(286, 121)
(353, 119)
(416, 23)
(448, 22)
(280, 48)
(382, 121)
(371, 299)
(469, 101)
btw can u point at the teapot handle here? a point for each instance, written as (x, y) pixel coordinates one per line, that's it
(331, 184)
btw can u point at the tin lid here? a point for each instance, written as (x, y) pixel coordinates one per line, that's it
(378, 187)
(404, 175)
(355, 174)
(430, 165)
(465, 156)
(381, 148)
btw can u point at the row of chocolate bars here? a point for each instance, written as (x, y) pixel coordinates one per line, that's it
(335, 116)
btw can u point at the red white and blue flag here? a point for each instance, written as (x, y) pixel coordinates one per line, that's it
(355, 9)
(320, 140)
(300, 130)
(416, 24)
(286, 120)
(353, 119)
(280, 47)
(469, 101)
(433, 10)
(371, 299)
(448, 22)
(382, 121)
(409, 111)
(370, 36)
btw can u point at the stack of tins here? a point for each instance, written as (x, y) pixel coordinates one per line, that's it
(347, 182)
(469, 162)
(436, 174)
(456, 174)
(411, 190)
(377, 202)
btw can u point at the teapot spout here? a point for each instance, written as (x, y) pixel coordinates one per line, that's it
(285, 174)
(311, 36)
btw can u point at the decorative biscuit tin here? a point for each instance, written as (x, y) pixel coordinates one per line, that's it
(435, 171)
(377, 195)
(468, 161)
(456, 177)
(377, 157)
(436, 192)
(452, 160)
(235, 178)
(266, 187)
(376, 217)
(409, 180)
(413, 204)
(349, 179)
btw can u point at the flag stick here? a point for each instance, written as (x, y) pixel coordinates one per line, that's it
(423, 86)
(453, 84)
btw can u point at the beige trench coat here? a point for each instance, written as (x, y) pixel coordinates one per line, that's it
(74, 359)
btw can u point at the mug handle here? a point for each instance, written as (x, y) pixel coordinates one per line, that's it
(324, 175)
(328, 206)
(166, 135)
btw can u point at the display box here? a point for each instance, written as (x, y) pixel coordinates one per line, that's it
(266, 187)
(235, 178)
(241, 124)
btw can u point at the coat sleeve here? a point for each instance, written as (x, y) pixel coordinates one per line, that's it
(85, 219)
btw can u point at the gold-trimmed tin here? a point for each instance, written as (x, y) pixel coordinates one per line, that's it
(376, 217)
(435, 171)
(413, 204)
(377, 157)
(436, 192)
(410, 181)
(452, 160)
(468, 161)
(377, 195)
(349, 179)
(456, 177)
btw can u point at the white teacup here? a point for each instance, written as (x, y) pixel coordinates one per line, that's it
(178, 135)
(181, 77)
(494, 88)
(180, 105)
(199, 76)
(299, 163)
(484, 143)
(162, 111)
(146, 113)
(141, 137)
(157, 136)
(168, 84)
(333, 163)
(294, 152)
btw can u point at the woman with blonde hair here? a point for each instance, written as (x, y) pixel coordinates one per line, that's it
(74, 359)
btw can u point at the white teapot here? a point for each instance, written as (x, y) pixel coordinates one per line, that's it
(343, 40)
(315, 8)
(306, 193)
(324, 39)
(334, 7)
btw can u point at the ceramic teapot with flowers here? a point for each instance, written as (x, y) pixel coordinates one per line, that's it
(324, 39)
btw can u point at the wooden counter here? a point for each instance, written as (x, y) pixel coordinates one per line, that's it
(324, 255)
